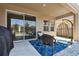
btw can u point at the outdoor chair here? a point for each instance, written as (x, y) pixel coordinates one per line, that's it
(47, 40)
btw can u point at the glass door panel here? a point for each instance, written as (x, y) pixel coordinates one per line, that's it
(17, 26)
(30, 29)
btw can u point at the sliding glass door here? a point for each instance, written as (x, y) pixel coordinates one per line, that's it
(30, 29)
(21, 26)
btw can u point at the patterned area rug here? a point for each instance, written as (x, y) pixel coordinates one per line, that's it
(48, 50)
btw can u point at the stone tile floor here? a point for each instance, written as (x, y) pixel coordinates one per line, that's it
(23, 48)
(72, 50)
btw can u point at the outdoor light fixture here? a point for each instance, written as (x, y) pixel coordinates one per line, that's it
(44, 5)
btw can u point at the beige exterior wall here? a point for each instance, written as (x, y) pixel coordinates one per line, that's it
(2, 16)
(40, 25)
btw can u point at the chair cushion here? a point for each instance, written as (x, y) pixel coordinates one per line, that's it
(47, 39)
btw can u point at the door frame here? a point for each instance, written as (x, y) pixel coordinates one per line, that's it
(20, 13)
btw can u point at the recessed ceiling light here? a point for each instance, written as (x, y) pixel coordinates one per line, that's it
(44, 5)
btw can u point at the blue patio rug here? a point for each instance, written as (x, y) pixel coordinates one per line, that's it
(46, 50)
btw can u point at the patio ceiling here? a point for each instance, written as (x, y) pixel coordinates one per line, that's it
(48, 9)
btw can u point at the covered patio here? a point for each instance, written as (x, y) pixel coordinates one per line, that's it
(29, 22)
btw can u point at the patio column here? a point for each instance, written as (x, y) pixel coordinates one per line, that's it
(77, 25)
(75, 9)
